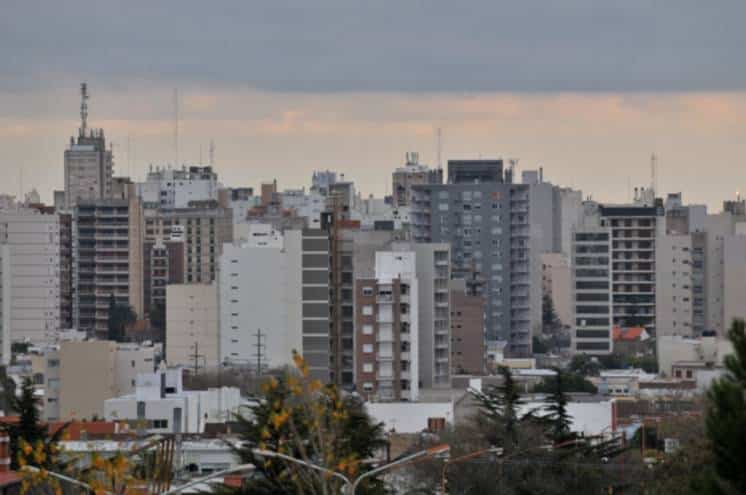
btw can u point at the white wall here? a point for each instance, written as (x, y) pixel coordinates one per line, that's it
(192, 317)
(260, 289)
(408, 417)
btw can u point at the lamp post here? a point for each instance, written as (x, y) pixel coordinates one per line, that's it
(432, 451)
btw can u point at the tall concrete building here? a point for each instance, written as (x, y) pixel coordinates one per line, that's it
(387, 345)
(486, 219)
(88, 164)
(468, 346)
(107, 260)
(591, 285)
(412, 173)
(556, 284)
(274, 298)
(203, 228)
(32, 265)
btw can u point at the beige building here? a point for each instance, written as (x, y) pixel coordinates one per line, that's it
(556, 278)
(192, 325)
(91, 372)
(467, 331)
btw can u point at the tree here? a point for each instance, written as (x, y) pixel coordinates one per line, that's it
(726, 417)
(300, 417)
(29, 439)
(539, 346)
(571, 383)
(549, 315)
(120, 317)
(557, 418)
(499, 409)
(584, 365)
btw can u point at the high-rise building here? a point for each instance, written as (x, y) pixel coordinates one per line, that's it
(88, 164)
(33, 265)
(486, 219)
(274, 298)
(412, 173)
(107, 260)
(468, 346)
(203, 228)
(387, 345)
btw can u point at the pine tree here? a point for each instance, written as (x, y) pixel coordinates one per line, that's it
(119, 318)
(557, 419)
(30, 435)
(499, 407)
(726, 415)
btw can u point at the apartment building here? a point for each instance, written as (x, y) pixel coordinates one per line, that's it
(203, 227)
(556, 283)
(163, 265)
(274, 298)
(468, 345)
(170, 188)
(387, 344)
(412, 173)
(591, 284)
(192, 326)
(33, 263)
(80, 376)
(486, 220)
(634, 229)
(107, 260)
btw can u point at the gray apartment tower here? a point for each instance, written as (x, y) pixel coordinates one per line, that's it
(485, 218)
(88, 164)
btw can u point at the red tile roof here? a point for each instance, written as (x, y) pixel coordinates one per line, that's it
(628, 334)
(9, 478)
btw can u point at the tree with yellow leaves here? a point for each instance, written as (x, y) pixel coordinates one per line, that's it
(305, 419)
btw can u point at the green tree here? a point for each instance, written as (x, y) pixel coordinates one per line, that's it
(549, 315)
(726, 417)
(570, 383)
(557, 419)
(584, 365)
(29, 439)
(300, 417)
(499, 408)
(120, 317)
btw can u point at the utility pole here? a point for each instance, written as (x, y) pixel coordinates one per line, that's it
(259, 353)
(196, 357)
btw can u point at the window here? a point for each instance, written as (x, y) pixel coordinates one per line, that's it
(368, 367)
(367, 386)
(133, 364)
(367, 291)
(368, 348)
(160, 423)
(53, 363)
(367, 329)
(368, 310)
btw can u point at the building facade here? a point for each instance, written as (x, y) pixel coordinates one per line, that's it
(192, 326)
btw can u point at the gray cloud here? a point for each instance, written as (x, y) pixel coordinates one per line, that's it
(347, 45)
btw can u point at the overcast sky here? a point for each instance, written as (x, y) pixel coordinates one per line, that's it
(588, 89)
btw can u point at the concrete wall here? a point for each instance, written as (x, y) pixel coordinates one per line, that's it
(192, 317)
(87, 372)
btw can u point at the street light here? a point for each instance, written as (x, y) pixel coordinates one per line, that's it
(465, 457)
(432, 451)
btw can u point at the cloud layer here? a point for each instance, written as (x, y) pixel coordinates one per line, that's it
(356, 45)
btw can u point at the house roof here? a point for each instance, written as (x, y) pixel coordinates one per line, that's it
(628, 334)
(9, 478)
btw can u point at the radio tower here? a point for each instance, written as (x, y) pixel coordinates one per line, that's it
(83, 108)
(654, 173)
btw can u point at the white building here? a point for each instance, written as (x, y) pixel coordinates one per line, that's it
(192, 325)
(31, 283)
(177, 188)
(161, 405)
(260, 297)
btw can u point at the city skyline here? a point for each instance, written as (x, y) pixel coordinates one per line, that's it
(579, 90)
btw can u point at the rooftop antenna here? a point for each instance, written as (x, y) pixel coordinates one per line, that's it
(653, 173)
(129, 156)
(439, 147)
(83, 108)
(176, 126)
(212, 153)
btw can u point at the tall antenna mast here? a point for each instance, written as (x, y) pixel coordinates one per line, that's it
(439, 147)
(176, 126)
(212, 153)
(83, 108)
(654, 173)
